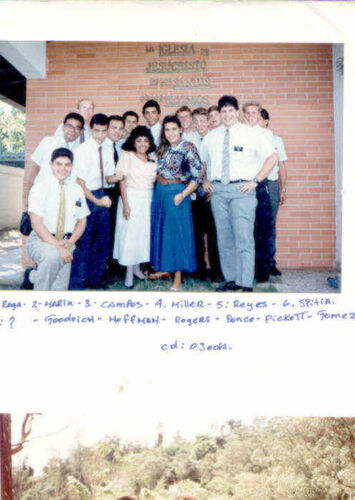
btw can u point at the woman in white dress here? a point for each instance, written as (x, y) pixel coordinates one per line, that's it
(132, 234)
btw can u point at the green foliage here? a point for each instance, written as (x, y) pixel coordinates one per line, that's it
(298, 458)
(12, 130)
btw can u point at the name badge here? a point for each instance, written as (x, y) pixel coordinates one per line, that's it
(78, 202)
(238, 148)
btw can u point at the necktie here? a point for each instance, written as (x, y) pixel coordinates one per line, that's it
(82, 137)
(61, 213)
(225, 158)
(101, 168)
(115, 154)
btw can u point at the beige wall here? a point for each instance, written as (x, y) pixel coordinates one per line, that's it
(11, 180)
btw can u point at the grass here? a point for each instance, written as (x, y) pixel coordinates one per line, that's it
(189, 285)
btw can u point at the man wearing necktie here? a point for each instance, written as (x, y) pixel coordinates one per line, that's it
(115, 141)
(58, 212)
(231, 154)
(93, 163)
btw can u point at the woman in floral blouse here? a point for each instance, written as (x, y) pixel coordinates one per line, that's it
(179, 173)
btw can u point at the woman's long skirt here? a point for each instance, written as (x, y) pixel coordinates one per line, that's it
(132, 237)
(172, 240)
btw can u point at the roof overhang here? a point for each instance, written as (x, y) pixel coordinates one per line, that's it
(19, 61)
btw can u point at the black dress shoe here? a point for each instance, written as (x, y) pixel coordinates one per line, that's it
(246, 289)
(229, 286)
(275, 272)
(27, 284)
(262, 278)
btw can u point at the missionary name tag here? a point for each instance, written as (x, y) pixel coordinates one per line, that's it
(78, 202)
(238, 148)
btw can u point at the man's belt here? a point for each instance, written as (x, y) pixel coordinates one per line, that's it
(232, 182)
(164, 182)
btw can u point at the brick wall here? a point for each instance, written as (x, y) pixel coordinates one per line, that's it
(292, 81)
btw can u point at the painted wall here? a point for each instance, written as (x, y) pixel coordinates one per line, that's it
(11, 181)
(294, 82)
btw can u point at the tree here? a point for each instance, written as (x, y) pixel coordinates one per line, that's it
(12, 130)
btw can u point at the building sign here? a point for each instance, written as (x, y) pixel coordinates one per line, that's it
(173, 64)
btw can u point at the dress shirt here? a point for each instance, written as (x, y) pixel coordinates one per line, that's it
(266, 132)
(191, 137)
(246, 147)
(44, 200)
(60, 133)
(118, 145)
(87, 163)
(43, 152)
(279, 147)
(156, 131)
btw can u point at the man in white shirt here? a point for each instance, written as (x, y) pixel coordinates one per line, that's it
(86, 109)
(184, 114)
(93, 164)
(130, 120)
(263, 215)
(151, 112)
(214, 118)
(207, 257)
(276, 181)
(231, 153)
(41, 158)
(58, 212)
(114, 140)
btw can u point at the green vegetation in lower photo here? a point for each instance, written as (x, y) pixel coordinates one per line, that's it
(280, 458)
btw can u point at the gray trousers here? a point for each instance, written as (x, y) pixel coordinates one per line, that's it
(234, 214)
(51, 273)
(274, 192)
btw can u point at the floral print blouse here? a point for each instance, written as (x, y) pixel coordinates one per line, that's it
(182, 162)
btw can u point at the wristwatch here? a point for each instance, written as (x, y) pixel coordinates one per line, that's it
(283, 190)
(256, 180)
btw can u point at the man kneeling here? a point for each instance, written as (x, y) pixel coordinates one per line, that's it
(58, 211)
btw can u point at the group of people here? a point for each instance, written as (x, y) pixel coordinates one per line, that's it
(197, 193)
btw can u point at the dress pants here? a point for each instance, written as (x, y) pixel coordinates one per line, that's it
(51, 273)
(234, 214)
(263, 222)
(274, 192)
(93, 248)
(204, 225)
(113, 194)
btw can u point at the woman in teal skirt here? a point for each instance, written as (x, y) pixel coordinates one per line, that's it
(179, 173)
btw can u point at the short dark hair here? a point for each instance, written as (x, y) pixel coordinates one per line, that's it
(74, 116)
(214, 107)
(151, 104)
(228, 100)
(182, 109)
(129, 113)
(116, 118)
(200, 112)
(139, 131)
(57, 153)
(99, 119)
(264, 114)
